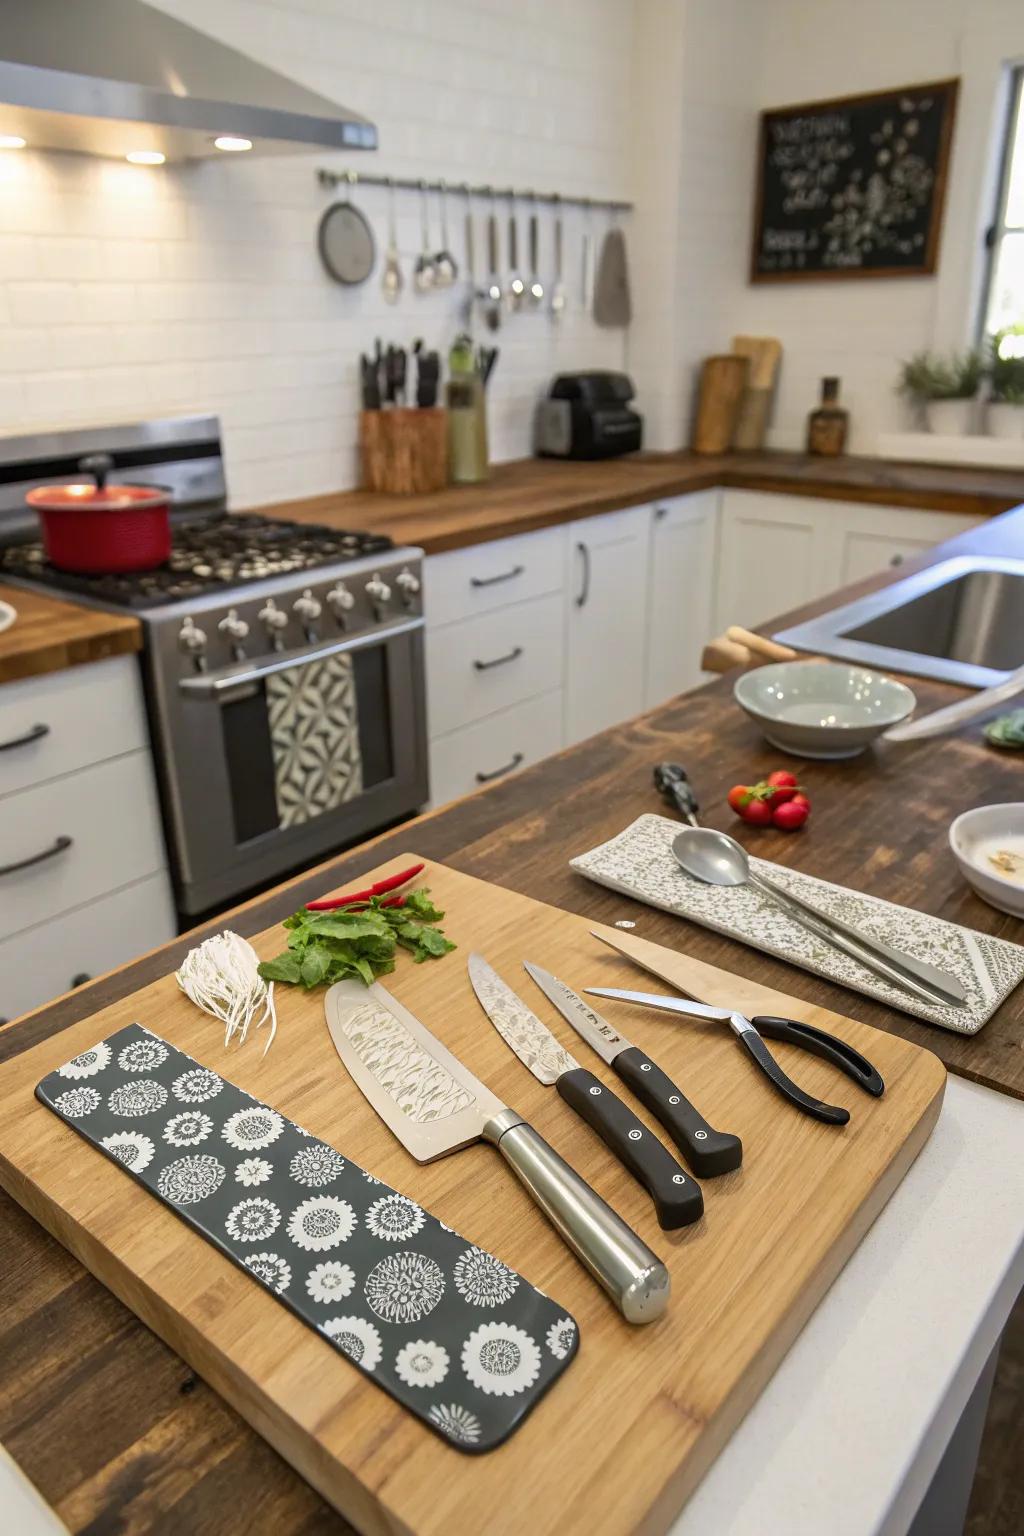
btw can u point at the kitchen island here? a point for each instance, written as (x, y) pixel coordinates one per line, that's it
(905, 1331)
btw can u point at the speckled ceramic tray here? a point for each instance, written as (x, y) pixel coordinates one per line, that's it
(639, 863)
(446, 1329)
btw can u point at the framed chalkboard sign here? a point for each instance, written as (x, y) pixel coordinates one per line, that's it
(853, 187)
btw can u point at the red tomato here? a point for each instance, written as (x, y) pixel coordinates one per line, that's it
(790, 815)
(784, 785)
(757, 812)
(801, 799)
(738, 797)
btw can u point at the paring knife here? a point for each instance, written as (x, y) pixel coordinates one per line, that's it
(677, 1199)
(708, 1152)
(429, 1100)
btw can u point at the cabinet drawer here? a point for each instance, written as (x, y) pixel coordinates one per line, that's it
(490, 749)
(67, 720)
(41, 963)
(489, 663)
(488, 576)
(110, 814)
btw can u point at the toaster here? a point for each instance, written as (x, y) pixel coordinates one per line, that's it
(588, 416)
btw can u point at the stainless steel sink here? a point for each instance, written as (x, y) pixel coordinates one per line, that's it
(961, 621)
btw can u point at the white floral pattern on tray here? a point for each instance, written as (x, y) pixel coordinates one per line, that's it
(446, 1328)
(639, 863)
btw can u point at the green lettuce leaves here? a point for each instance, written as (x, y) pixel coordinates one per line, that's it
(325, 947)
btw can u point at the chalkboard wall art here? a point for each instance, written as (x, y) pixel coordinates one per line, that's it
(853, 187)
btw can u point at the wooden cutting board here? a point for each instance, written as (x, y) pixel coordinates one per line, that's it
(625, 1436)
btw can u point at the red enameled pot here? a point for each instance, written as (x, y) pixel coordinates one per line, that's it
(101, 529)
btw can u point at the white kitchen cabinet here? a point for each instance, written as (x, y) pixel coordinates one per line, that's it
(869, 539)
(487, 663)
(681, 592)
(495, 747)
(606, 625)
(775, 553)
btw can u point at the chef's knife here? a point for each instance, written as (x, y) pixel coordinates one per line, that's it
(708, 1152)
(677, 1199)
(429, 1100)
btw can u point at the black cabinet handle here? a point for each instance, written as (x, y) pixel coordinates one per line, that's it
(60, 844)
(499, 661)
(584, 554)
(498, 773)
(36, 733)
(491, 581)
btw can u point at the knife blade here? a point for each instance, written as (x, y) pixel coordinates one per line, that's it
(708, 1152)
(434, 1105)
(677, 1199)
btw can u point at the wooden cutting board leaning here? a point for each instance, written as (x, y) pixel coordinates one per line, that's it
(626, 1434)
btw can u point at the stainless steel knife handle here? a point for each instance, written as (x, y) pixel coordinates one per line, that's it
(633, 1276)
(859, 947)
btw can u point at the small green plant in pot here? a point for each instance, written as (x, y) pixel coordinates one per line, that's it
(945, 388)
(1005, 416)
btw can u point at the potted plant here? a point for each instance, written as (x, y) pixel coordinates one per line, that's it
(1005, 415)
(945, 388)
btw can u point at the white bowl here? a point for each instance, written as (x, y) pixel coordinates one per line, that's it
(976, 835)
(822, 709)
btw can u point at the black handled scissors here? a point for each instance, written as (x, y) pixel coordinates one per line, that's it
(751, 1033)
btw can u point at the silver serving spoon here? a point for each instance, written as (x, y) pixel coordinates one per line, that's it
(424, 273)
(392, 281)
(492, 294)
(558, 292)
(719, 859)
(535, 291)
(446, 268)
(515, 291)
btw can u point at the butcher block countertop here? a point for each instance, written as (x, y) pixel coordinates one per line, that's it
(49, 635)
(173, 1458)
(536, 493)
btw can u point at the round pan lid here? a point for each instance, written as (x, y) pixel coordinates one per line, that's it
(93, 498)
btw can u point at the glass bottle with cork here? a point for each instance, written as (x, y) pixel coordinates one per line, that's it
(827, 426)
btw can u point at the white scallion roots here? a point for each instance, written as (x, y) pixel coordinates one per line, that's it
(220, 976)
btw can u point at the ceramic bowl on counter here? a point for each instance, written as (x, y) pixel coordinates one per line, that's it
(822, 709)
(988, 845)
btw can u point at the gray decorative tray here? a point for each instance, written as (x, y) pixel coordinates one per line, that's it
(446, 1329)
(639, 863)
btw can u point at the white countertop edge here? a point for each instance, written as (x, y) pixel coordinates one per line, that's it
(848, 1433)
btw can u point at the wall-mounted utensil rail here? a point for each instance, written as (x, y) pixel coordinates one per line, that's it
(352, 179)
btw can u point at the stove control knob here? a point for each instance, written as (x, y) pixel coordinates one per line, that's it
(408, 583)
(341, 602)
(274, 621)
(233, 627)
(307, 608)
(379, 593)
(192, 640)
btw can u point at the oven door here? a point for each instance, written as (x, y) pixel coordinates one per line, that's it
(271, 765)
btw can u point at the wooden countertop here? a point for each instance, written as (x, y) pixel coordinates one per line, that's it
(173, 1456)
(49, 635)
(536, 493)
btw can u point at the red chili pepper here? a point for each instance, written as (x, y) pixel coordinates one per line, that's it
(378, 889)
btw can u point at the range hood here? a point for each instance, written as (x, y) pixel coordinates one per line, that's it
(113, 77)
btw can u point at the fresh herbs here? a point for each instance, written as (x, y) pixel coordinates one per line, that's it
(360, 940)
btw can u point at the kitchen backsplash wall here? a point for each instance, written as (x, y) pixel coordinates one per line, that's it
(128, 293)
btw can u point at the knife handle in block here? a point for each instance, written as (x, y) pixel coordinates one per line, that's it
(708, 1152)
(621, 1262)
(677, 1199)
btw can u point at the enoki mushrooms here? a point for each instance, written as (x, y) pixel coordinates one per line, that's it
(220, 976)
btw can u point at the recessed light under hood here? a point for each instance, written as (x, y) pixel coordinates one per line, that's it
(108, 76)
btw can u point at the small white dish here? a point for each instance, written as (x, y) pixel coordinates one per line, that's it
(822, 709)
(7, 616)
(977, 837)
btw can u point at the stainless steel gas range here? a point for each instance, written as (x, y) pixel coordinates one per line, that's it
(283, 662)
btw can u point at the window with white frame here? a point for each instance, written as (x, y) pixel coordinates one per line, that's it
(1004, 296)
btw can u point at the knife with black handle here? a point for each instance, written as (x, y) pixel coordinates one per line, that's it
(708, 1152)
(677, 1198)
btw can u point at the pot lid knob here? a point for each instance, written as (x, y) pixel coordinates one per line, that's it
(98, 465)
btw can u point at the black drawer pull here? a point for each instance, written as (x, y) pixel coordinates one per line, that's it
(499, 773)
(584, 593)
(35, 734)
(499, 661)
(60, 844)
(490, 581)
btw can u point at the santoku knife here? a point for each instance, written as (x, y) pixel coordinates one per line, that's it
(708, 1152)
(677, 1199)
(429, 1100)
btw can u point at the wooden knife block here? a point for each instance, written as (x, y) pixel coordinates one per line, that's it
(404, 450)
